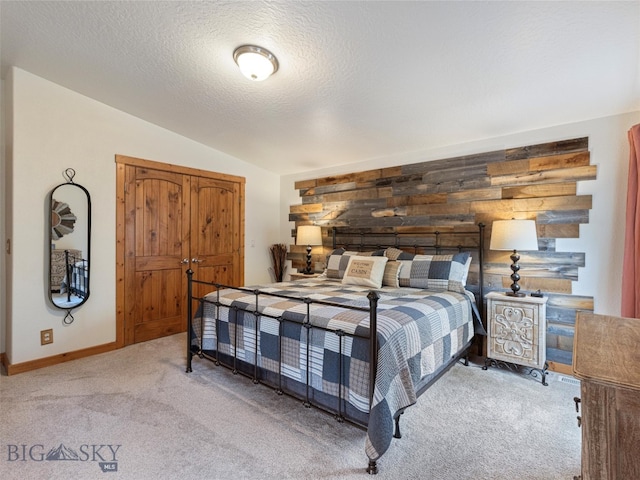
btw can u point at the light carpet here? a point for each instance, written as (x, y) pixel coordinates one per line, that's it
(135, 414)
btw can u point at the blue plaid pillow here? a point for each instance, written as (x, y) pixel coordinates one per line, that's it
(435, 272)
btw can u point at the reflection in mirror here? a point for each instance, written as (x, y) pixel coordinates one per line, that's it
(70, 238)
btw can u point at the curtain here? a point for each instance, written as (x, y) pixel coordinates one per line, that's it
(631, 257)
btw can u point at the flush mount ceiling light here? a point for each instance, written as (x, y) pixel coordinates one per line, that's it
(256, 63)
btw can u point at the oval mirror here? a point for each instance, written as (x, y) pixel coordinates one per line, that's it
(70, 244)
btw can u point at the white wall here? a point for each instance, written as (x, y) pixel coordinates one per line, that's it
(55, 128)
(602, 240)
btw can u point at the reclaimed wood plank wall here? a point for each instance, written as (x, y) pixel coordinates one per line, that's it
(533, 182)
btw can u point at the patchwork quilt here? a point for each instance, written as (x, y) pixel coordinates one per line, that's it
(419, 331)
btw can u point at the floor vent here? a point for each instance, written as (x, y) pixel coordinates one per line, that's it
(569, 380)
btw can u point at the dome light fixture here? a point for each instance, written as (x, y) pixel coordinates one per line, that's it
(256, 63)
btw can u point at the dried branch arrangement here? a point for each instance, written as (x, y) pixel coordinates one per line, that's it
(278, 259)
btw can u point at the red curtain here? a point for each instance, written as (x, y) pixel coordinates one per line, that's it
(631, 257)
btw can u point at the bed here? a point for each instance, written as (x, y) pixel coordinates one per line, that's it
(312, 338)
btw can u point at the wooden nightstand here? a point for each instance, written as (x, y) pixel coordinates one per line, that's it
(517, 333)
(303, 276)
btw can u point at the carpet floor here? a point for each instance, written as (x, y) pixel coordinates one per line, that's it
(135, 414)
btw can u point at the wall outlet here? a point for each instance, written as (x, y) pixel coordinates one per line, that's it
(46, 337)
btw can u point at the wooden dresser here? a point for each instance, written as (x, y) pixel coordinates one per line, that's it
(606, 358)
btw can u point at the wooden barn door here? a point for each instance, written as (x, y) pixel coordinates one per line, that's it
(168, 221)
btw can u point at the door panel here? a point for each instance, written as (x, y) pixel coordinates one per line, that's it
(160, 227)
(215, 232)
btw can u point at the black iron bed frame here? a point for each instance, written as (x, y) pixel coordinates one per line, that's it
(75, 276)
(363, 242)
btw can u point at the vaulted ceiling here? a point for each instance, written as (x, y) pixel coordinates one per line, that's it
(357, 80)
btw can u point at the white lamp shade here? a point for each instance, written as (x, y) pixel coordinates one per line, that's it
(514, 235)
(309, 235)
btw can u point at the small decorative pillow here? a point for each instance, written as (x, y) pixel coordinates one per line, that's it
(393, 253)
(337, 263)
(365, 271)
(435, 272)
(391, 273)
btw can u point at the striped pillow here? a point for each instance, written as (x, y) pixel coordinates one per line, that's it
(391, 274)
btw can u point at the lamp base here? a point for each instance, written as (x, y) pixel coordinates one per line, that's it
(307, 270)
(515, 294)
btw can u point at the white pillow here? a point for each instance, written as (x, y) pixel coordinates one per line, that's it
(365, 271)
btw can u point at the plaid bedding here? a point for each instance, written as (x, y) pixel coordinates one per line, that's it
(419, 331)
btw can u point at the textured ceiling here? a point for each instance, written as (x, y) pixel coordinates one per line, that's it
(357, 80)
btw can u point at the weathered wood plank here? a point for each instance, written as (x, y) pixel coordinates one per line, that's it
(438, 209)
(340, 187)
(560, 230)
(390, 212)
(560, 329)
(550, 148)
(559, 360)
(390, 172)
(489, 216)
(575, 302)
(403, 201)
(579, 202)
(565, 272)
(357, 213)
(567, 160)
(304, 184)
(399, 180)
(531, 284)
(560, 342)
(540, 190)
(352, 195)
(529, 205)
(537, 164)
(491, 193)
(455, 162)
(563, 216)
(560, 315)
(508, 168)
(350, 177)
(359, 203)
(548, 176)
(419, 188)
(306, 208)
(576, 259)
(455, 174)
